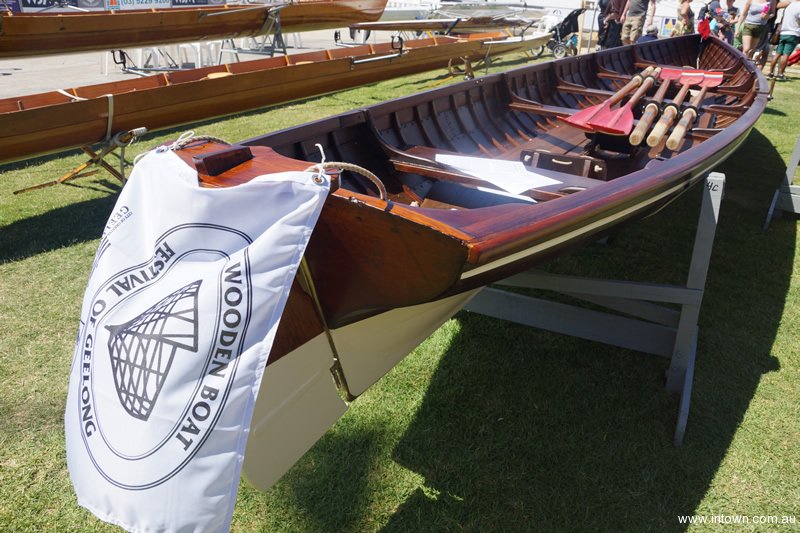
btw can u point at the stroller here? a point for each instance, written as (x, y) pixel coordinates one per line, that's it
(565, 37)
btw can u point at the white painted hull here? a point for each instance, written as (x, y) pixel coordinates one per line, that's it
(298, 400)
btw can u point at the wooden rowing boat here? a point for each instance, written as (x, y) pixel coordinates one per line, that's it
(385, 269)
(448, 25)
(42, 33)
(58, 120)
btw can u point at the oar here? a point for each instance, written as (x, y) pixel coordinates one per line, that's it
(619, 121)
(688, 78)
(689, 114)
(581, 119)
(651, 110)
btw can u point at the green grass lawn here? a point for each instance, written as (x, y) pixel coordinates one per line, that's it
(487, 426)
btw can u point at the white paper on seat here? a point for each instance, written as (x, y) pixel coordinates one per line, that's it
(507, 194)
(511, 176)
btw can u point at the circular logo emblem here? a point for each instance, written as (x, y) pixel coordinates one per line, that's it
(160, 343)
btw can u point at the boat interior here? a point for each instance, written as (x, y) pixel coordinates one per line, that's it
(516, 117)
(480, 230)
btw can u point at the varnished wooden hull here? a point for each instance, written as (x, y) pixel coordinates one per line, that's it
(400, 265)
(451, 25)
(42, 123)
(27, 34)
(441, 247)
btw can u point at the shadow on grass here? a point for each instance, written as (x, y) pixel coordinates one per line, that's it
(772, 111)
(340, 506)
(64, 226)
(523, 430)
(38, 160)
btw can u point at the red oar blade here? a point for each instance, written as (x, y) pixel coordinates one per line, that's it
(614, 122)
(620, 121)
(711, 79)
(670, 73)
(692, 77)
(581, 119)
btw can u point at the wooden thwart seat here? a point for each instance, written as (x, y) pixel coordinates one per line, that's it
(421, 160)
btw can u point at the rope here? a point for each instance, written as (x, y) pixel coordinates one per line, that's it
(184, 140)
(189, 137)
(320, 167)
(71, 96)
(338, 165)
(110, 98)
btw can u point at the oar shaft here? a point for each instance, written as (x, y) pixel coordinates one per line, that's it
(667, 118)
(631, 85)
(661, 92)
(649, 116)
(681, 96)
(676, 138)
(678, 134)
(661, 128)
(648, 82)
(699, 97)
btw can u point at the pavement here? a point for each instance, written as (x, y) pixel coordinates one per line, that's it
(33, 75)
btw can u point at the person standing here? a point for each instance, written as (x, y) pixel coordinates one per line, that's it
(729, 27)
(685, 23)
(789, 37)
(752, 22)
(633, 19)
(612, 17)
(602, 6)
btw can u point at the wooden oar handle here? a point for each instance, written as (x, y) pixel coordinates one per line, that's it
(631, 85)
(676, 138)
(649, 115)
(667, 118)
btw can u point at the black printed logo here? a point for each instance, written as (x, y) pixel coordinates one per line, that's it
(159, 349)
(142, 349)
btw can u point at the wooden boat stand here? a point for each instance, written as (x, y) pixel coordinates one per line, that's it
(97, 158)
(272, 38)
(787, 196)
(127, 65)
(654, 329)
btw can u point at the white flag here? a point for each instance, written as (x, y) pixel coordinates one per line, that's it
(179, 316)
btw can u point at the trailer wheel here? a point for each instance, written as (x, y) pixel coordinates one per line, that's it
(537, 52)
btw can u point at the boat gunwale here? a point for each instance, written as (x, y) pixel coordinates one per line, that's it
(500, 231)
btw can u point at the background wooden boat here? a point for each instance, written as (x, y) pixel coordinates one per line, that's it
(454, 25)
(47, 122)
(384, 273)
(28, 34)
